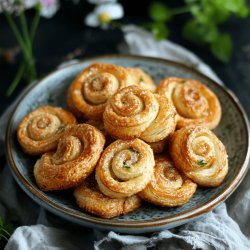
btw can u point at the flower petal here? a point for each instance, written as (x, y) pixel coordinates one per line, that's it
(92, 20)
(49, 7)
(115, 11)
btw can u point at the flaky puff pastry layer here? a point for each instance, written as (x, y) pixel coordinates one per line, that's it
(141, 79)
(92, 200)
(194, 102)
(197, 152)
(90, 91)
(158, 147)
(133, 112)
(168, 187)
(125, 168)
(39, 131)
(77, 153)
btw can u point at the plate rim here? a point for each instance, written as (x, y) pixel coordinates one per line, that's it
(84, 218)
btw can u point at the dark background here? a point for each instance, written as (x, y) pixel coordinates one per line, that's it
(65, 36)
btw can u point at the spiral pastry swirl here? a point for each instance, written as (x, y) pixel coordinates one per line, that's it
(125, 168)
(168, 187)
(141, 79)
(135, 112)
(194, 102)
(90, 91)
(78, 151)
(197, 152)
(39, 131)
(92, 200)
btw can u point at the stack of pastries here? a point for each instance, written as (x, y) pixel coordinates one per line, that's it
(126, 140)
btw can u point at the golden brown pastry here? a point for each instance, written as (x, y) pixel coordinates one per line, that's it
(89, 198)
(99, 125)
(78, 151)
(134, 112)
(125, 168)
(90, 91)
(158, 147)
(195, 103)
(168, 187)
(197, 152)
(141, 79)
(39, 131)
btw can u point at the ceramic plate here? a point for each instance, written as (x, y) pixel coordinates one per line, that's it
(232, 130)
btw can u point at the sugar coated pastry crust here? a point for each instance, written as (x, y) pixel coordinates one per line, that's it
(125, 168)
(39, 131)
(92, 200)
(195, 103)
(197, 152)
(158, 147)
(141, 79)
(134, 112)
(168, 187)
(77, 153)
(89, 92)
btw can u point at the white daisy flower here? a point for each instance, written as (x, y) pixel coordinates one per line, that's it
(103, 14)
(49, 7)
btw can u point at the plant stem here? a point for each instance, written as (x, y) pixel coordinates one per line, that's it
(2, 235)
(34, 26)
(17, 35)
(28, 42)
(5, 231)
(181, 10)
(17, 79)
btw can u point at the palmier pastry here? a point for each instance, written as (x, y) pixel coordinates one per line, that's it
(78, 151)
(92, 200)
(135, 112)
(141, 79)
(195, 103)
(99, 125)
(198, 153)
(90, 91)
(168, 187)
(125, 168)
(158, 147)
(39, 131)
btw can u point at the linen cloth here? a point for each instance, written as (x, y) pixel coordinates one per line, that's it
(226, 227)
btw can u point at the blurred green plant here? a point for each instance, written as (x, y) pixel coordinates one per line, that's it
(6, 229)
(203, 24)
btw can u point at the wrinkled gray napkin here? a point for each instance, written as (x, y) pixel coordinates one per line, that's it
(226, 227)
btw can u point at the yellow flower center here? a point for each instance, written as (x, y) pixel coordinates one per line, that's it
(104, 17)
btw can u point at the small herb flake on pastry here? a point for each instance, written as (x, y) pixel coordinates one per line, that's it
(90, 91)
(39, 131)
(78, 151)
(195, 103)
(168, 187)
(198, 153)
(125, 168)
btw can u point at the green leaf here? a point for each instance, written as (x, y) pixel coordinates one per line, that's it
(201, 162)
(158, 12)
(222, 47)
(237, 7)
(160, 31)
(200, 33)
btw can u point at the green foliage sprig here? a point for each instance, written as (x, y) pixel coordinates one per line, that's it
(5, 230)
(203, 24)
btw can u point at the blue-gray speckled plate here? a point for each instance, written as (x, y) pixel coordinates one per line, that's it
(232, 130)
